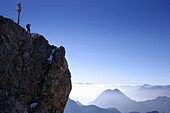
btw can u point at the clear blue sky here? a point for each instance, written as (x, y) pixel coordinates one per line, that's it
(107, 41)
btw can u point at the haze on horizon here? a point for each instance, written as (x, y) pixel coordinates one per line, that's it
(86, 93)
(107, 42)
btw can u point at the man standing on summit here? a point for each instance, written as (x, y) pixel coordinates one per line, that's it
(28, 27)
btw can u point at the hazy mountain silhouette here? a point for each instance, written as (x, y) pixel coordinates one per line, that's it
(160, 104)
(73, 107)
(79, 103)
(134, 112)
(147, 91)
(152, 112)
(116, 99)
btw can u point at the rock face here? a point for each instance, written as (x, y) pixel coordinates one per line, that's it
(34, 76)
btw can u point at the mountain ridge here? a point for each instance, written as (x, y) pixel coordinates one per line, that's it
(116, 99)
(73, 107)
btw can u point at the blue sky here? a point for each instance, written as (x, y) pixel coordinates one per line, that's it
(106, 41)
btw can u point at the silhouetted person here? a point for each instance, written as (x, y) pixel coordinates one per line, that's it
(28, 27)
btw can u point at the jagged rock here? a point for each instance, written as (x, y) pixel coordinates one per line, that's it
(34, 76)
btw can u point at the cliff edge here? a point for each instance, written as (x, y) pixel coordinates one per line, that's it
(34, 76)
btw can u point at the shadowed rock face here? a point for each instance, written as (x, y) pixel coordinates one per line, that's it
(29, 81)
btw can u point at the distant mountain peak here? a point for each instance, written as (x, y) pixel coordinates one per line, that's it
(113, 99)
(146, 85)
(79, 103)
(107, 91)
(115, 90)
(162, 97)
(116, 99)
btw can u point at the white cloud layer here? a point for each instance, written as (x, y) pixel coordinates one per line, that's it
(87, 92)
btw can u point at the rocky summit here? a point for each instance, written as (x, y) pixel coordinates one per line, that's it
(34, 75)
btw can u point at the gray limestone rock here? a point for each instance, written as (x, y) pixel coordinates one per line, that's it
(34, 76)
